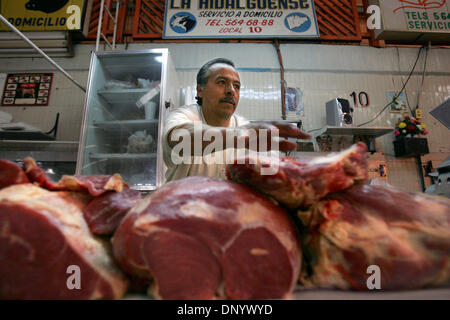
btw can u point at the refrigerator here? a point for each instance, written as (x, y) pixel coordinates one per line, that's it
(127, 98)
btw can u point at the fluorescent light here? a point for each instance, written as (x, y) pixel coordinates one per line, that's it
(35, 35)
(40, 43)
(31, 50)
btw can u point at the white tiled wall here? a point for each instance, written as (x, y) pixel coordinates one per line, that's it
(65, 99)
(322, 72)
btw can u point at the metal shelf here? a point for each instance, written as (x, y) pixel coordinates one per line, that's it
(33, 142)
(123, 156)
(51, 156)
(116, 124)
(25, 135)
(53, 151)
(369, 133)
(356, 131)
(122, 96)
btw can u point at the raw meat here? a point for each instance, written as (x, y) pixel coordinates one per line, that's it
(11, 173)
(96, 185)
(43, 238)
(203, 238)
(37, 175)
(407, 235)
(301, 182)
(104, 213)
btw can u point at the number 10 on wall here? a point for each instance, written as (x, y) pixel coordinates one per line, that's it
(363, 99)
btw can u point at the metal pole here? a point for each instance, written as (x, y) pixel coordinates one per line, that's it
(115, 25)
(420, 172)
(99, 28)
(283, 81)
(35, 47)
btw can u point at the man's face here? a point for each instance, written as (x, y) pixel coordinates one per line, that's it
(220, 95)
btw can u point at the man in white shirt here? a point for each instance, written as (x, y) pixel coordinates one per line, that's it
(190, 131)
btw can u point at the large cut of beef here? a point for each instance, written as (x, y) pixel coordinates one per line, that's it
(205, 238)
(405, 235)
(301, 182)
(104, 213)
(11, 173)
(47, 250)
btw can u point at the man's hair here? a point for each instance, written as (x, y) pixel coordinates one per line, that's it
(204, 73)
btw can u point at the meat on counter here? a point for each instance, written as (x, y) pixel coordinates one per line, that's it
(205, 238)
(47, 250)
(405, 235)
(302, 181)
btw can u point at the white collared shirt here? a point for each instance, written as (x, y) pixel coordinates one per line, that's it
(189, 114)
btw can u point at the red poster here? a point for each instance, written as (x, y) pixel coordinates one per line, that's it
(27, 89)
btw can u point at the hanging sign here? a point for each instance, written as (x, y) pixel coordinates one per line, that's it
(414, 20)
(240, 19)
(45, 15)
(27, 89)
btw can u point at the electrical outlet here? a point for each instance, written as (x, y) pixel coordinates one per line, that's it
(418, 114)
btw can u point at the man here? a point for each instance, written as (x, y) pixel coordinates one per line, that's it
(194, 126)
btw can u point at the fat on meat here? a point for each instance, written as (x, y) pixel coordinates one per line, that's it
(300, 182)
(406, 235)
(206, 238)
(95, 185)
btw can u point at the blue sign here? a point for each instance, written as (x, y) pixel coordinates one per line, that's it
(182, 22)
(297, 22)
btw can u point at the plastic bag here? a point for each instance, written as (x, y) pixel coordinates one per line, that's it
(144, 83)
(117, 84)
(141, 142)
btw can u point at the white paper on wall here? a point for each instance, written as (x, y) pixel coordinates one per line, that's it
(2, 82)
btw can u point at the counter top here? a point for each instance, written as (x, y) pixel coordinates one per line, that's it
(318, 294)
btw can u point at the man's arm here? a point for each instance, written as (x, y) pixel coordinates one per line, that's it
(255, 135)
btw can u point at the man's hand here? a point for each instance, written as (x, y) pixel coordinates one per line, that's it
(257, 135)
(274, 129)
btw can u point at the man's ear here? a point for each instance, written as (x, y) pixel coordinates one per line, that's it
(199, 91)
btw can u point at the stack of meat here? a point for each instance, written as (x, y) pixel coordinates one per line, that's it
(197, 238)
(47, 250)
(205, 238)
